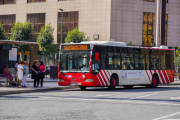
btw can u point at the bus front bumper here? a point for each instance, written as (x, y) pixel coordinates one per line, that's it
(76, 83)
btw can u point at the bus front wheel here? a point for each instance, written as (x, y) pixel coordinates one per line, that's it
(112, 83)
(82, 87)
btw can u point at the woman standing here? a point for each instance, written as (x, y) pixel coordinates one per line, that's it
(35, 73)
(20, 73)
(7, 74)
(43, 70)
(25, 74)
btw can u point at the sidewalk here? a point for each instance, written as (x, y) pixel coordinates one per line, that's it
(48, 85)
(31, 80)
(176, 82)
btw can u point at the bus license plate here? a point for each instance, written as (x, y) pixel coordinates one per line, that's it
(75, 84)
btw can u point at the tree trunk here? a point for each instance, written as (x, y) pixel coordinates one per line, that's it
(22, 56)
(46, 61)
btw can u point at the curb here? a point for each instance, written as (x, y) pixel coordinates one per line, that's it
(36, 90)
(31, 81)
(169, 84)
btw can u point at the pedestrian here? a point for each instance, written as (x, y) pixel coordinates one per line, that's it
(16, 70)
(35, 73)
(25, 67)
(1, 85)
(43, 70)
(20, 73)
(7, 74)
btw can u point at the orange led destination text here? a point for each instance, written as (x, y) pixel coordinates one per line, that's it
(75, 47)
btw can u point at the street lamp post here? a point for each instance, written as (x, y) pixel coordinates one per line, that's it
(61, 22)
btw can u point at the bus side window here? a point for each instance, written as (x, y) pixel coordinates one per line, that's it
(127, 61)
(113, 60)
(102, 60)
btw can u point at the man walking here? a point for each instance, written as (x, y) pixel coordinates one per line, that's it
(16, 70)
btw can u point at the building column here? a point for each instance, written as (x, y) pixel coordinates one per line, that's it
(157, 25)
(163, 21)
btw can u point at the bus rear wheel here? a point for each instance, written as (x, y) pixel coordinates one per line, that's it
(154, 82)
(112, 83)
(128, 86)
(82, 87)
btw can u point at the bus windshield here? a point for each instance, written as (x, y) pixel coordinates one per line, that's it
(75, 61)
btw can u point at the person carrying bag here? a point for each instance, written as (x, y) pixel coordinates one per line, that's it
(43, 70)
(36, 73)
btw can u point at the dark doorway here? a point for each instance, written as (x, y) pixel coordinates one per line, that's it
(4, 58)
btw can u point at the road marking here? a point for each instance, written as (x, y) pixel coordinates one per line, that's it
(106, 95)
(144, 96)
(121, 101)
(167, 116)
(175, 98)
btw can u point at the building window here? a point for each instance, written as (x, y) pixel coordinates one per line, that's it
(149, 27)
(70, 21)
(3, 2)
(32, 1)
(154, 1)
(166, 26)
(38, 21)
(7, 21)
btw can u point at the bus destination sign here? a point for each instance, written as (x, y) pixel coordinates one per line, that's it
(74, 47)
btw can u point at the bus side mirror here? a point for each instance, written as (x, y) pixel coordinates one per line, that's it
(96, 56)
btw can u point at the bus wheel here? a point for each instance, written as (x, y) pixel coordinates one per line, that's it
(128, 86)
(82, 87)
(112, 83)
(154, 82)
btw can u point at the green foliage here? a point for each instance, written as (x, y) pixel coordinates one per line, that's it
(76, 36)
(22, 32)
(130, 44)
(177, 57)
(46, 42)
(3, 34)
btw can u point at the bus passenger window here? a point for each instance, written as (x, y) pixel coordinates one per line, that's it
(127, 61)
(114, 60)
(139, 62)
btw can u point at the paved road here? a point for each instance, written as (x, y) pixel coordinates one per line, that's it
(139, 103)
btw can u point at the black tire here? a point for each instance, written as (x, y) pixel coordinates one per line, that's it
(113, 83)
(155, 82)
(82, 87)
(128, 86)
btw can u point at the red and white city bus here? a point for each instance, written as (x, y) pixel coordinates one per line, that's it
(110, 64)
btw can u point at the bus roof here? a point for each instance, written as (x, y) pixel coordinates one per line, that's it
(118, 44)
(110, 43)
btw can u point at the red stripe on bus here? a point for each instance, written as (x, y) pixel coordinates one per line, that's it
(104, 78)
(161, 76)
(99, 78)
(106, 75)
(166, 78)
(148, 76)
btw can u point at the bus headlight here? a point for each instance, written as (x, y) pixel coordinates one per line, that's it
(60, 80)
(89, 80)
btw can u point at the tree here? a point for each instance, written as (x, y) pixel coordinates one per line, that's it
(46, 42)
(20, 32)
(76, 36)
(130, 44)
(177, 57)
(3, 34)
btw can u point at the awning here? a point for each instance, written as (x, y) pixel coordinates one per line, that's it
(17, 42)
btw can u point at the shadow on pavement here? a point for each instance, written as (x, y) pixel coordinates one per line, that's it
(135, 89)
